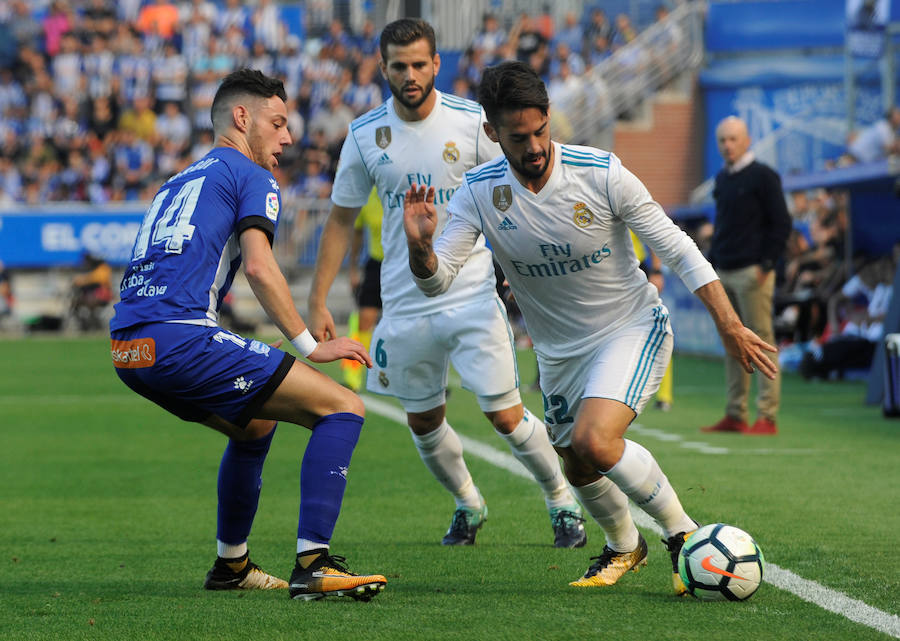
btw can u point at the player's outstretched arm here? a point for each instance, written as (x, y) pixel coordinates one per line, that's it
(739, 341)
(420, 222)
(271, 289)
(336, 238)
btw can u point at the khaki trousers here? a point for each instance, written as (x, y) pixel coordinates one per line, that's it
(753, 303)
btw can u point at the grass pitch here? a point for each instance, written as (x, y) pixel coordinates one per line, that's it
(108, 515)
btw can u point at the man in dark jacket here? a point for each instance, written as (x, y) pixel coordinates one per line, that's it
(751, 230)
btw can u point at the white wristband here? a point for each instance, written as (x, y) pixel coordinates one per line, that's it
(305, 343)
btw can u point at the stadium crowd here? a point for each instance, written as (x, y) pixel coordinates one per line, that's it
(100, 101)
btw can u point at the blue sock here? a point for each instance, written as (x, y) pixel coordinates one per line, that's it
(323, 474)
(240, 480)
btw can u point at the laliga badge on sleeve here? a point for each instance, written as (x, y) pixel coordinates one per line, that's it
(272, 206)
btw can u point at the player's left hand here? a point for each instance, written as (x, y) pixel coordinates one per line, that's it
(419, 214)
(341, 347)
(748, 349)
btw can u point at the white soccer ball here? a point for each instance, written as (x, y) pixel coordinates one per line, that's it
(721, 562)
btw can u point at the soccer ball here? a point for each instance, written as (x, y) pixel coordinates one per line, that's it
(721, 562)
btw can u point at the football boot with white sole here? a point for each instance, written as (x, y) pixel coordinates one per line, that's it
(328, 575)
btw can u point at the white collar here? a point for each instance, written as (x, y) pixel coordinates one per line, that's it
(741, 162)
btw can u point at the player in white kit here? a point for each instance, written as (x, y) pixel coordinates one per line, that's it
(557, 218)
(423, 136)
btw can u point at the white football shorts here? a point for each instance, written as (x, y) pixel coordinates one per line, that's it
(412, 357)
(627, 367)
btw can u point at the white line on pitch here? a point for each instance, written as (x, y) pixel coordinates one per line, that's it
(706, 448)
(810, 591)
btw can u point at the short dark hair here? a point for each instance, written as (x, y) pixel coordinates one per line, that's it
(406, 31)
(237, 84)
(511, 86)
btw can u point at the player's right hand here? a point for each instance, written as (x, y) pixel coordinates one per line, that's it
(341, 347)
(419, 214)
(321, 324)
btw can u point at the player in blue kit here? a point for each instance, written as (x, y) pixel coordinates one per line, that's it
(204, 223)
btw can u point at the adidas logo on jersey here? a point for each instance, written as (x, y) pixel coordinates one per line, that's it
(507, 225)
(385, 160)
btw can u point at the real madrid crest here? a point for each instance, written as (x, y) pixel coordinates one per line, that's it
(383, 379)
(502, 197)
(383, 137)
(583, 216)
(451, 153)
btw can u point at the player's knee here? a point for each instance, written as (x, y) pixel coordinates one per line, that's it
(351, 403)
(507, 420)
(424, 422)
(596, 449)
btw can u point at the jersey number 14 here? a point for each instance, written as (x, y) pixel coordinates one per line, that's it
(174, 225)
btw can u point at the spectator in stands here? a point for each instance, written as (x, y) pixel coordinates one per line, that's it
(133, 67)
(573, 59)
(364, 94)
(599, 51)
(158, 18)
(261, 59)
(68, 78)
(528, 41)
(99, 18)
(173, 137)
(333, 120)
(624, 33)
(91, 292)
(367, 41)
(10, 182)
(25, 28)
(58, 21)
(598, 27)
(98, 66)
(572, 33)
(196, 33)
(751, 229)
(133, 164)
(140, 119)
(268, 29)
(202, 9)
(856, 323)
(170, 75)
(6, 296)
(234, 14)
(489, 38)
(876, 141)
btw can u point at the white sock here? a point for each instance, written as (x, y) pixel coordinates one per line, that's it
(604, 501)
(442, 452)
(305, 545)
(230, 551)
(530, 444)
(638, 475)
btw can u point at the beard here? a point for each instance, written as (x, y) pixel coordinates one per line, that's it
(257, 149)
(412, 104)
(524, 167)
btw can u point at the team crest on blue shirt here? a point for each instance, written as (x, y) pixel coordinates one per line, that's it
(383, 137)
(272, 206)
(451, 153)
(502, 197)
(583, 216)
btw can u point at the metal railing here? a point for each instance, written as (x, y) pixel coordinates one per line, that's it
(633, 73)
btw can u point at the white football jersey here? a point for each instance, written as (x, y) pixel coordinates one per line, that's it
(566, 250)
(391, 153)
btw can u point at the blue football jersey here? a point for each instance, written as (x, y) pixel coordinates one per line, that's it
(187, 251)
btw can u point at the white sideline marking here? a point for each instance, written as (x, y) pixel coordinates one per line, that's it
(810, 591)
(706, 448)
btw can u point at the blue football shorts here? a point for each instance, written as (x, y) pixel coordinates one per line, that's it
(195, 371)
